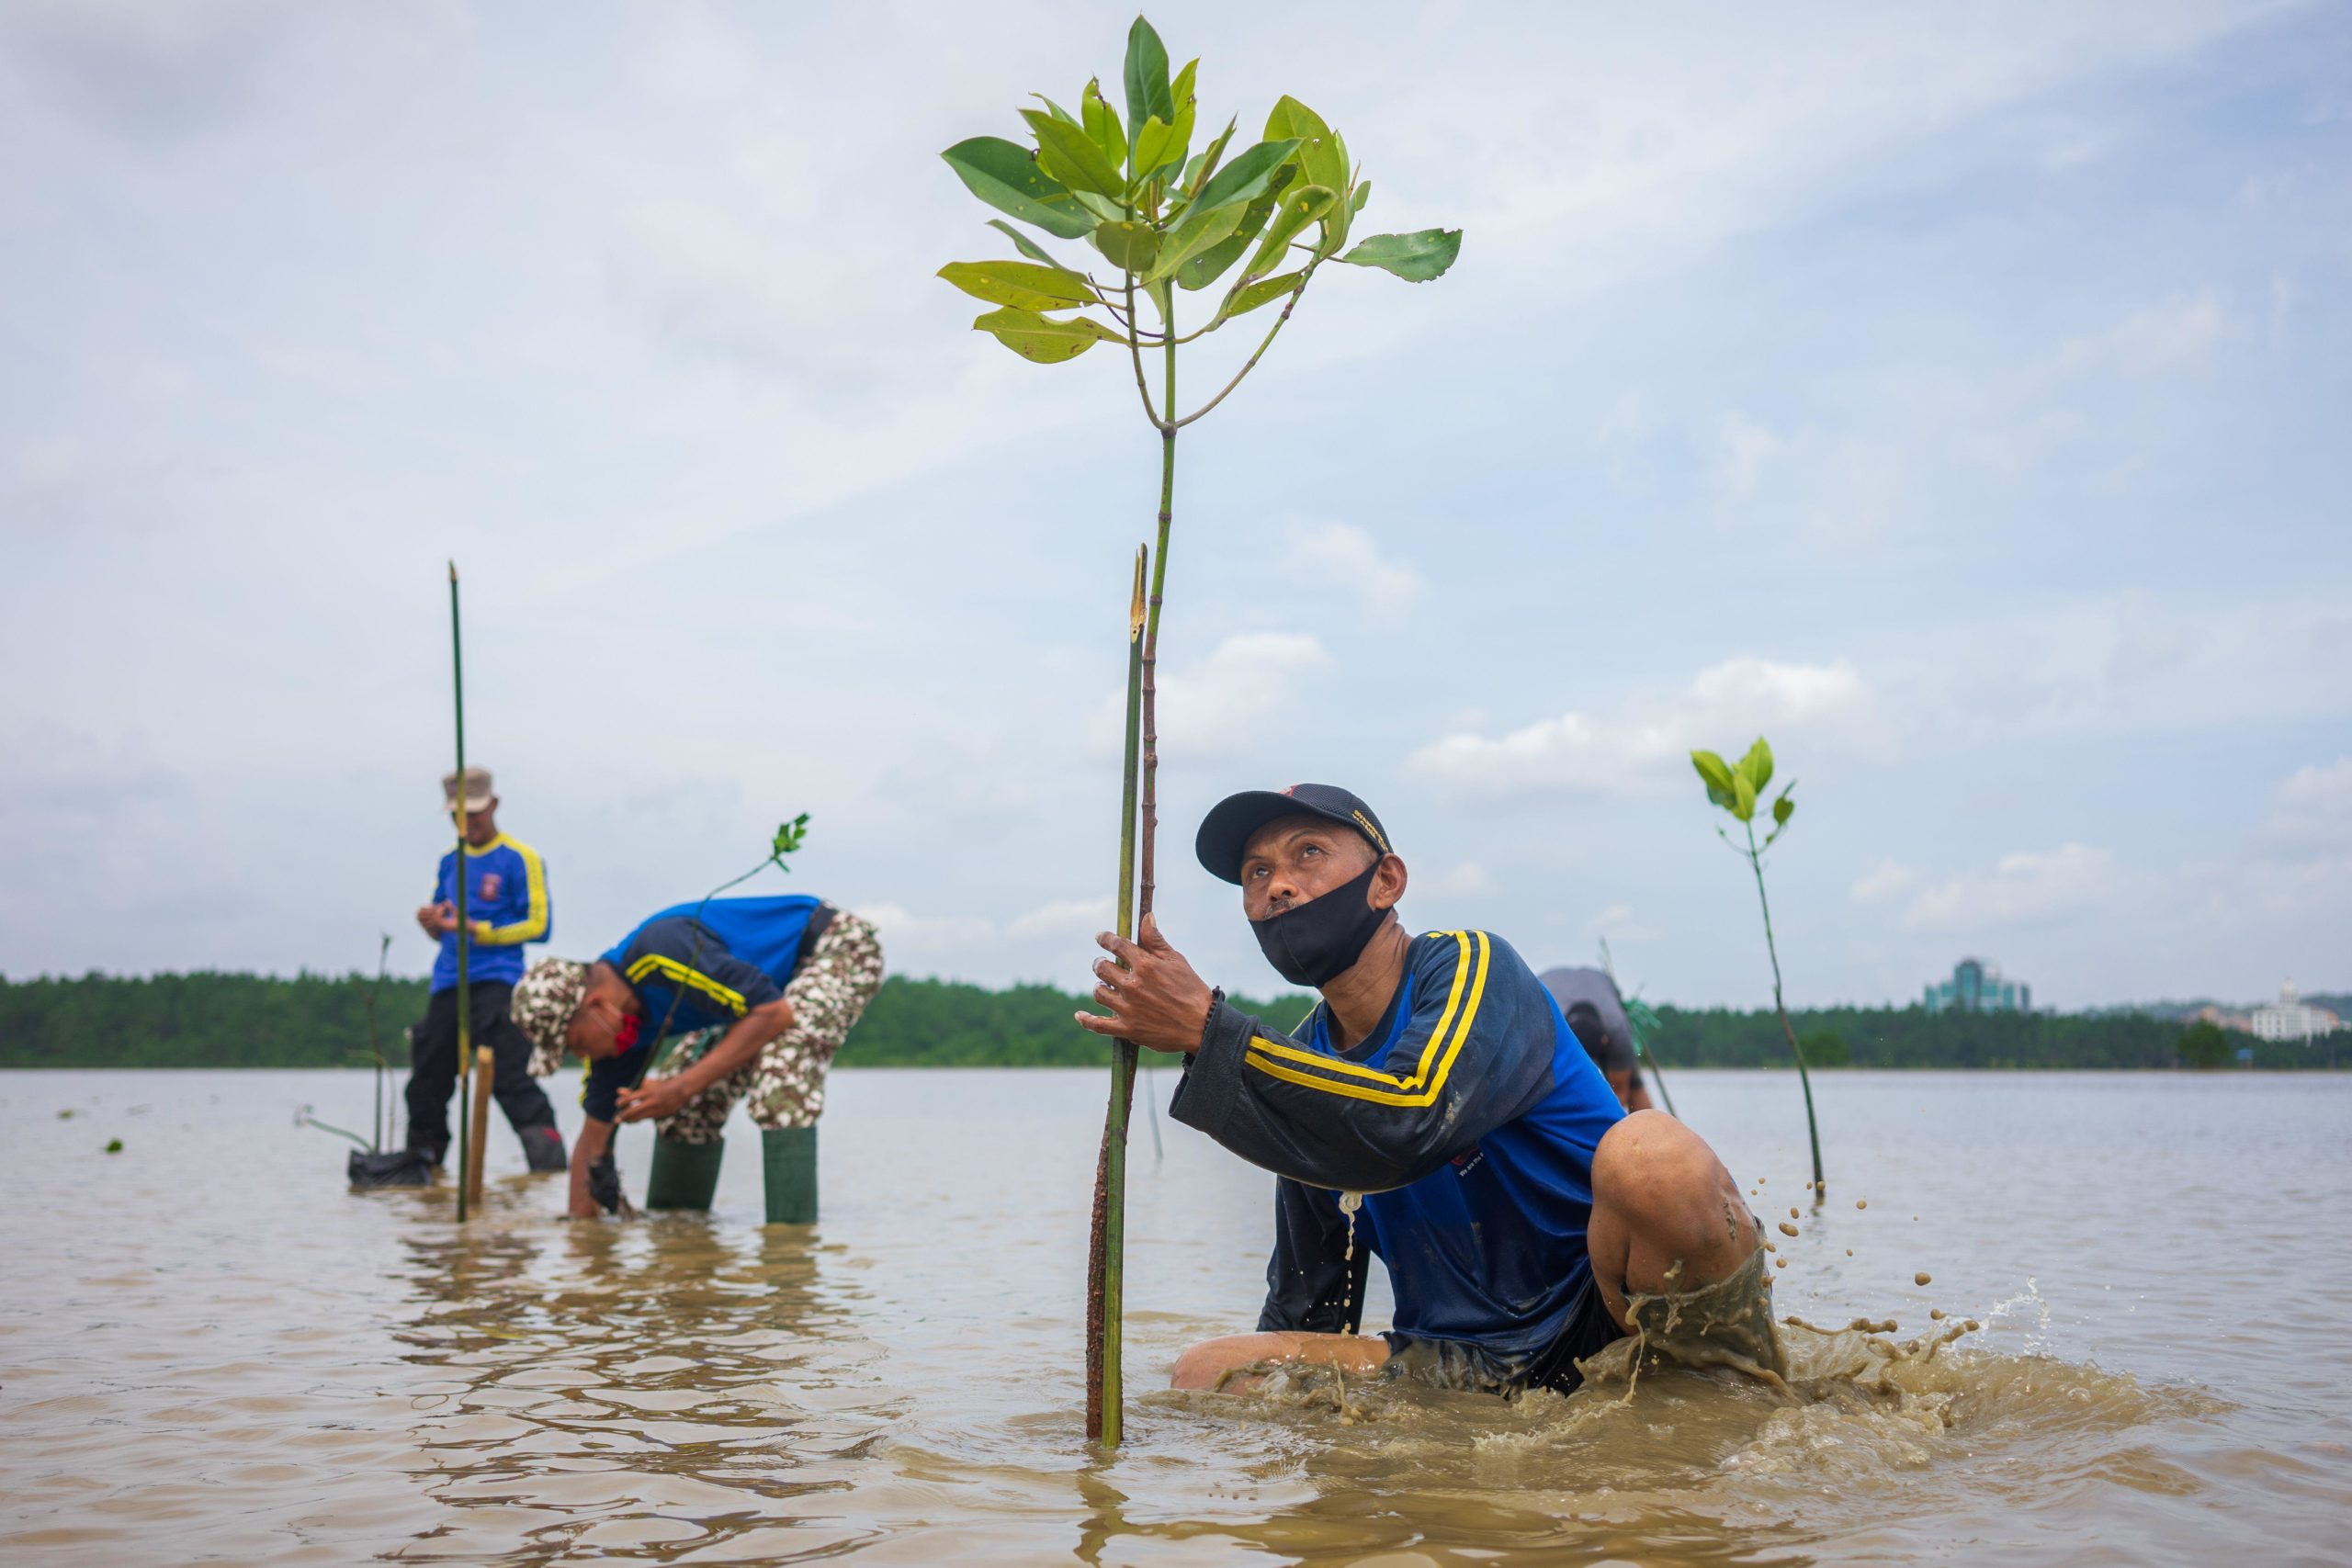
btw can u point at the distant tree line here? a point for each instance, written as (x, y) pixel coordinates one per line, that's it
(211, 1019)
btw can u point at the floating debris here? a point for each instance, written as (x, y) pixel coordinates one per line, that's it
(66, 1114)
(114, 1145)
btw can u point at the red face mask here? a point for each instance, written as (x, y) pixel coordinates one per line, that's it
(625, 1033)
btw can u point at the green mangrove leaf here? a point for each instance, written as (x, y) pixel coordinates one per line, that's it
(1757, 765)
(1043, 338)
(1103, 124)
(1205, 164)
(1783, 809)
(1321, 158)
(1299, 207)
(1265, 291)
(1159, 144)
(1004, 175)
(1363, 194)
(1743, 796)
(1105, 210)
(1132, 247)
(1179, 92)
(1023, 242)
(1416, 257)
(1021, 284)
(1207, 226)
(1716, 776)
(1246, 176)
(1058, 112)
(1211, 264)
(1147, 79)
(1067, 154)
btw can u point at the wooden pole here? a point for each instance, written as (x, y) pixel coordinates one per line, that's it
(1106, 1261)
(469, 1137)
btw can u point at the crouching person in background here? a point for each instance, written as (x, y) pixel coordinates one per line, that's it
(758, 993)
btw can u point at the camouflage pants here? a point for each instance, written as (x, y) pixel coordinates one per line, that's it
(787, 1080)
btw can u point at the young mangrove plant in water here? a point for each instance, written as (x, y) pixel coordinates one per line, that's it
(1738, 789)
(1240, 231)
(472, 1134)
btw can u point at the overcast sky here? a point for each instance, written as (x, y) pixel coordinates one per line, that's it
(1956, 394)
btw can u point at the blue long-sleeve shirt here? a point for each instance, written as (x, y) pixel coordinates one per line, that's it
(506, 905)
(1468, 1117)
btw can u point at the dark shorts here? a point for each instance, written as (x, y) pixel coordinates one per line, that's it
(1465, 1365)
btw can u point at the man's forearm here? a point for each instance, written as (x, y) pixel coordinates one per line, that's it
(594, 1140)
(742, 1041)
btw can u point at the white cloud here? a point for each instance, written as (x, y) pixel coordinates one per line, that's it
(1063, 917)
(2179, 334)
(2312, 809)
(1231, 702)
(1648, 738)
(1464, 880)
(1887, 879)
(1747, 449)
(2020, 888)
(1343, 556)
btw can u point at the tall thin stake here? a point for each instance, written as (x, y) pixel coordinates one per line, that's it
(375, 1041)
(466, 1160)
(1106, 1253)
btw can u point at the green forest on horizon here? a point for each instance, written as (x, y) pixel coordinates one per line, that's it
(216, 1019)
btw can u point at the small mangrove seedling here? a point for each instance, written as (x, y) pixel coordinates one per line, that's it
(472, 1108)
(1238, 229)
(1738, 789)
(1642, 1020)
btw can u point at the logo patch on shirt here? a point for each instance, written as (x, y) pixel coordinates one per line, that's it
(491, 882)
(1467, 1161)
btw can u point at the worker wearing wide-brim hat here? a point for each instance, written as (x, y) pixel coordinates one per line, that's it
(507, 908)
(760, 994)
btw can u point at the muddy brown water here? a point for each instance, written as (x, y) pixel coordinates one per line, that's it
(209, 1352)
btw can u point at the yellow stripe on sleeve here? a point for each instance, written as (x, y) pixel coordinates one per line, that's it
(533, 926)
(654, 963)
(1263, 1054)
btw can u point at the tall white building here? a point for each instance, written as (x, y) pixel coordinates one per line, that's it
(2289, 1019)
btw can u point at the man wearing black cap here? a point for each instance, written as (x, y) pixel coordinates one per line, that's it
(1517, 1207)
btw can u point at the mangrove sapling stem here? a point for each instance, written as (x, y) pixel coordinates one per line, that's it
(1811, 1127)
(1246, 365)
(375, 1042)
(464, 1020)
(1105, 1269)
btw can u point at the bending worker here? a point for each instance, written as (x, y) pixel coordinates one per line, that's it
(766, 988)
(506, 907)
(1594, 1010)
(1520, 1210)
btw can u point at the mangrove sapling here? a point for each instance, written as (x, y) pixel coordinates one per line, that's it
(375, 1041)
(1737, 790)
(1163, 219)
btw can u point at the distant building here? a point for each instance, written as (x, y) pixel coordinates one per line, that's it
(1977, 986)
(2222, 1017)
(2289, 1019)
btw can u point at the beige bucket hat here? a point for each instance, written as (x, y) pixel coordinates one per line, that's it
(545, 998)
(479, 792)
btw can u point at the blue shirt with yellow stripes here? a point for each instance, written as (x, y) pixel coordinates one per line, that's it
(506, 905)
(699, 966)
(1468, 1118)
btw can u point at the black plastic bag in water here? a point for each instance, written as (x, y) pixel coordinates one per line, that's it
(392, 1168)
(604, 1186)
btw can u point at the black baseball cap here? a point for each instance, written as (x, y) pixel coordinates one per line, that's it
(1225, 832)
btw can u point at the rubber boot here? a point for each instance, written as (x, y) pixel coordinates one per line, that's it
(789, 1161)
(543, 1148)
(684, 1175)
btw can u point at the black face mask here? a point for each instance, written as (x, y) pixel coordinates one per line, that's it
(1316, 942)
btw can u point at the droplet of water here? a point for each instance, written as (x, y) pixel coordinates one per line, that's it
(1787, 1229)
(1923, 1278)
